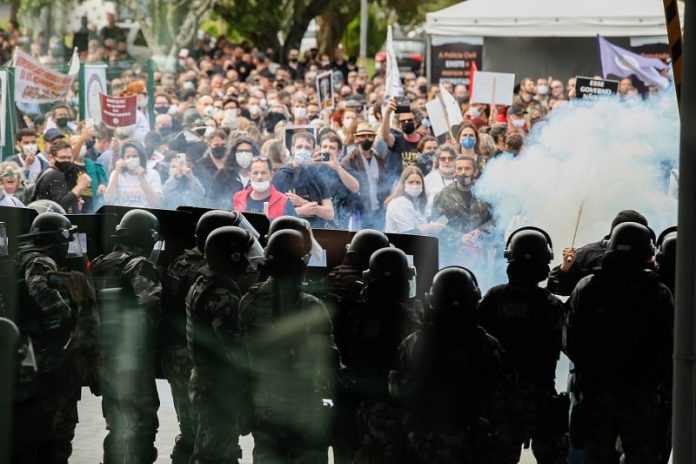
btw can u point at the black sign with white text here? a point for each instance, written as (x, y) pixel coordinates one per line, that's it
(587, 88)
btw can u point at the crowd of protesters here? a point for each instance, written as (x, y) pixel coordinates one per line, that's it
(224, 136)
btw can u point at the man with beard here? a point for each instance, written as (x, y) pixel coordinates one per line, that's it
(403, 148)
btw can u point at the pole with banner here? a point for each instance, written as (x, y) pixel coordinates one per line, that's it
(9, 114)
(151, 92)
(81, 92)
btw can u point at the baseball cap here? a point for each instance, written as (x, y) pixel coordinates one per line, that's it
(51, 134)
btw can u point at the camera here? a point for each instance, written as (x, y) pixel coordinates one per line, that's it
(57, 280)
(403, 104)
(325, 156)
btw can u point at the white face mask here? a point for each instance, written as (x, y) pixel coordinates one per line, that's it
(413, 190)
(261, 186)
(347, 122)
(231, 113)
(474, 112)
(30, 148)
(132, 163)
(543, 89)
(299, 112)
(142, 101)
(209, 110)
(518, 123)
(243, 158)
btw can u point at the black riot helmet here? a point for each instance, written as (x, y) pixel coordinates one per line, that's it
(310, 246)
(138, 228)
(52, 232)
(454, 290)
(211, 220)
(231, 249)
(666, 256)
(389, 264)
(529, 244)
(46, 206)
(365, 242)
(285, 254)
(632, 242)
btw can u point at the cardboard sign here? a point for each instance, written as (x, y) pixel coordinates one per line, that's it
(36, 83)
(325, 90)
(118, 111)
(587, 88)
(292, 130)
(493, 88)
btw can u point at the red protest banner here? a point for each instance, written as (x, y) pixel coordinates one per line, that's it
(118, 111)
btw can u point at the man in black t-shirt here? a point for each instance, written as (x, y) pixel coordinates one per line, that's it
(299, 180)
(403, 148)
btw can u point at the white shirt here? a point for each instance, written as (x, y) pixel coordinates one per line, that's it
(434, 182)
(9, 200)
(402, 216)
(130, 192)
(34, 170)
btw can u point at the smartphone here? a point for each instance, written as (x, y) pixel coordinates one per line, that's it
(325, 156)
(403, 104)
(442, 220)
(181, 160)
(57, 280)
(89, 123)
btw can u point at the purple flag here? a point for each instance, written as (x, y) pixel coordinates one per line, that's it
(622, 63)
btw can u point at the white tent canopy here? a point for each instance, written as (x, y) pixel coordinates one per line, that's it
(550, 18)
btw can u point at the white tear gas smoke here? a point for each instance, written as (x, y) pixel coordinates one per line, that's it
(607, 155)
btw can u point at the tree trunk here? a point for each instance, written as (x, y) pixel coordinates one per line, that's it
(332, 25)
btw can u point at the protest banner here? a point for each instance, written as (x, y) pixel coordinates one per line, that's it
(493, 88)
(444, 113)
(118, 111)
(291, 130)
(92, 84)
(587, 88)
(325, 90)
(36, 83)
(453, 58)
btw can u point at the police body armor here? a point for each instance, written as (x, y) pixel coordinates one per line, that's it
(125, 341)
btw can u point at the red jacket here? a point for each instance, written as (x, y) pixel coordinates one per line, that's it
(276, 202)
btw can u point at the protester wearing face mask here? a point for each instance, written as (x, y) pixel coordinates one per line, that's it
(516, 118)
(131, 183)
(162, 104)
(299, 111)
(441, 176)
(53, 185)
(468, 139)
(406, 206)
(182, 187)
(11, 184)
(300, 182)
(542, 92)
(467, 215)
(426, 148)
(27, 157)
(403, 148)
(371, 174)
(235, 174)
(213, 160)
(261, 196)
(61, 119)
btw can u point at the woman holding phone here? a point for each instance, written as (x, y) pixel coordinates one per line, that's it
(131, 183)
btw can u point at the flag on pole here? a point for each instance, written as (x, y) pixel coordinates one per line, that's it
(623, 63)
(393, 81)
(472, 74)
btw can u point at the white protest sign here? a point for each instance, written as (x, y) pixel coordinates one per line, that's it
(36, 83)
(438, 119)
(94, 84)
(493, 88)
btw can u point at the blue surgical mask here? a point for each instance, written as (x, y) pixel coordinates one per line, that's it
(468, 142)
(303, 157)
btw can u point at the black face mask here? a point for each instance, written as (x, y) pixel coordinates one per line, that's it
(423, 88)
(218, 152)
(465, 183)
(366, 144)
(161, 109)
(408, 127)
(360, 89)
(62, 122)
(63, 166)
(165, 131)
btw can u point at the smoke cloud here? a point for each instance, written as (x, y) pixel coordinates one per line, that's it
(607, 155)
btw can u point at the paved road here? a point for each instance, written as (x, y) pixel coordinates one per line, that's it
(87, 446)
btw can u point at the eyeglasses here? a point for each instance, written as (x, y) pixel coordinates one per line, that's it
(446, 158)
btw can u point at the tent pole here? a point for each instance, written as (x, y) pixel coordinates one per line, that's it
(675, 43)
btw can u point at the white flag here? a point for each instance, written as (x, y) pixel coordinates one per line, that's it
(393, 81)
(454, 113)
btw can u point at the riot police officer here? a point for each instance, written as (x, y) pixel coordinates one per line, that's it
(59, 330)
(129, 292)
(527, 321)
(293, 360)
(619, 335)
(177, 279)
(454, 381)
(382, 317)
(218, 387)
